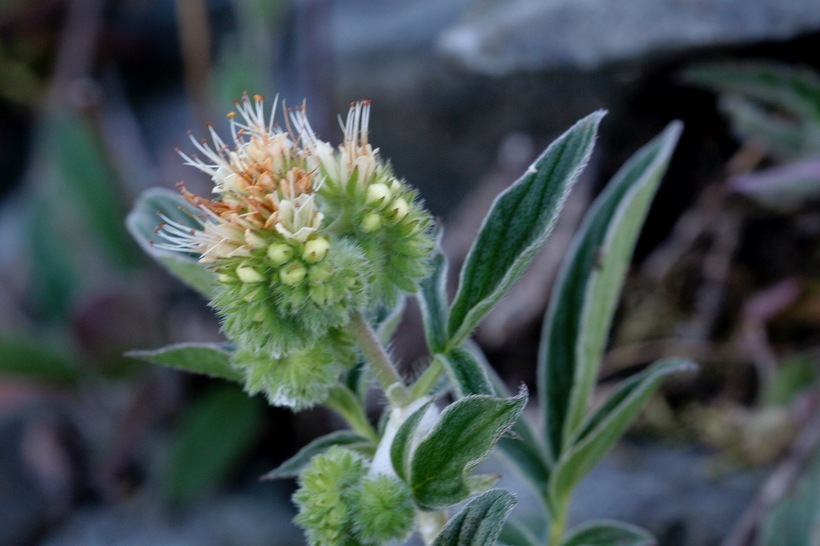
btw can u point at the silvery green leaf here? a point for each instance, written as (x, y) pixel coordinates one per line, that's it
(604, 427)
(432, 298)
(211, 359)
(517, 226)
(587, 289)
(462, 437)
(142, 223)
(403, 441)
(480, 522)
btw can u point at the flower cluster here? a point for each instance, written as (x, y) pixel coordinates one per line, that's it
(340, 502)
(301, 235)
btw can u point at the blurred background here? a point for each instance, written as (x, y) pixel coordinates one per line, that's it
(95, 95)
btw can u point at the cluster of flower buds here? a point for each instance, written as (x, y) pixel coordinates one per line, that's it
(301, 235)
(341, 501)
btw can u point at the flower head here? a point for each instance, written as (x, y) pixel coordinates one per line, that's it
(300, 234)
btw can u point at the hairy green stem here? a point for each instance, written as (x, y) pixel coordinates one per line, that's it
(558, 523)
(388, 378)
(345, 403)
(427, 380)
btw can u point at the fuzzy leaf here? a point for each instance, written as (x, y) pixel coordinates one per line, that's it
(523, 447)
(211, 359)
(432, 298)
(480, 522)
(517, 226)
(213, 434)
(608, 533)
(587, 289)
(293, 466)
(142, 223)
(462, 437)
(466, 373)
(605, 426)
(403, 441)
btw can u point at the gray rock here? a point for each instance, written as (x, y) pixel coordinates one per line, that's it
(501, 38)
(256, 517)
(674, 493)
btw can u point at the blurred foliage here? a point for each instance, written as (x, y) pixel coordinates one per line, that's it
(213, 434)
(795, 520)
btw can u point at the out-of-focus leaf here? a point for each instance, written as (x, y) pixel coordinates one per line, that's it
(211, 359)
(790, 89)
(587, 289)
(344, 401)
(480, 522)
(608, 533)
(213, 434)
(75, 151)
(795, 375)
(36, 360)
(517, 226)
(142, 223)
(784, 187)
(293, 466)
(795, 520)
(462, 437)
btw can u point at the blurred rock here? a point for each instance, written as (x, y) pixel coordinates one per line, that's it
(39, 473)
(259, 516)
(674, 493)
(533, 35)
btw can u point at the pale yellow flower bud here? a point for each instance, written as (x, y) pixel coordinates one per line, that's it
(293, 275)
(371, 222)
(316, 249)
(399, 209)
(378, 194)
(248, 275)
(280, 253)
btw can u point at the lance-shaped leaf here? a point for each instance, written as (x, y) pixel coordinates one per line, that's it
(211, 359)
(608, 533)
(433, 301)
(472, 374)
(604, 427)
(142, 223)
(293, 466)
(480, 522)
(461, 438)
(517, 226)
(587, 289)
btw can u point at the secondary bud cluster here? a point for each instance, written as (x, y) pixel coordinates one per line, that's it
(301, 235)
(339, 503)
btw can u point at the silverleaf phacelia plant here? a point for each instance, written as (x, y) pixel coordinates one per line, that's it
(306, 252)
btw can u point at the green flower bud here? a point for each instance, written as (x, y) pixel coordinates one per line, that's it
(279, 253)
(371, 222)
(316, 249)
(382, 510)
(399, 209)
(323, 496)
(378, 194)
(248, 274)
(293, 275)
